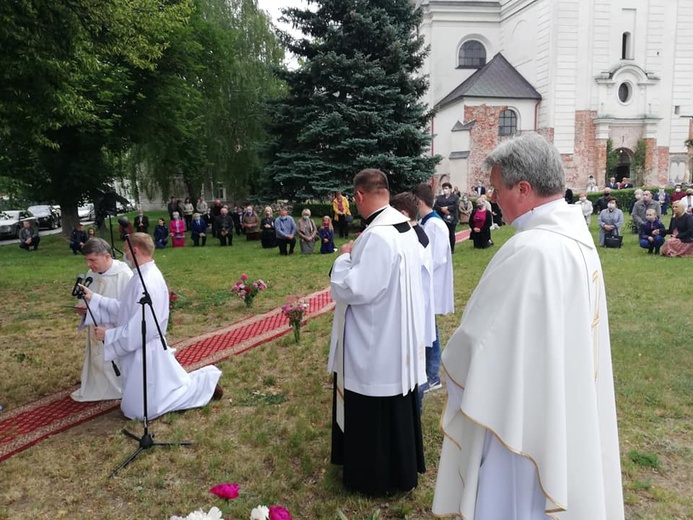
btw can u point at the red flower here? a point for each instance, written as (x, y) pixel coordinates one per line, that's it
(279, 513)
(227, 491)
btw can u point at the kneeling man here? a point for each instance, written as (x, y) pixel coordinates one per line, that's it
(169, 386)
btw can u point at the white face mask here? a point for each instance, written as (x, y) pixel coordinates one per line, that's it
(446, 191)
(305, 217)
(650, 218)
(677, 190)
(583, 199)
(612, 205)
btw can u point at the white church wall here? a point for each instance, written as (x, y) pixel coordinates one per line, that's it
(682, 91)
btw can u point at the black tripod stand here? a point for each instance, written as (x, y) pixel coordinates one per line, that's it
(146, 441)
(114, 249)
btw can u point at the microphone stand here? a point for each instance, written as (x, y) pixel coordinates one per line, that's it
(114, 249)
(146, 441)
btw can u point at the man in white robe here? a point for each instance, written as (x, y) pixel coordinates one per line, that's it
(99, 381)
(377, 347)
(169, 386)
(530, 421)
(443, 284)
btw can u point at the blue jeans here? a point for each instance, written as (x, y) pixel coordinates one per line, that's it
(433, 360)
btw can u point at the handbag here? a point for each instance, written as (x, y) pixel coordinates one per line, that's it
(615, 241)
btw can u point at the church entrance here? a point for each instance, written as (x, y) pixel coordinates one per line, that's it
(622, 169)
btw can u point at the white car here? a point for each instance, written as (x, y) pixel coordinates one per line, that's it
(11, 222)
(86, 212)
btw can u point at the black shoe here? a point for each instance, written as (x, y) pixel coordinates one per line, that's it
(218, 393)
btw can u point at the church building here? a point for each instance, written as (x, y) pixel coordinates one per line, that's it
(580, 72)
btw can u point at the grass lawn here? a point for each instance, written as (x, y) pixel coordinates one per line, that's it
(271, 431)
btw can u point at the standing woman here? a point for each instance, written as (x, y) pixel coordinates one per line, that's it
(340, 206)
(188, 210)
(481, 221)
(268, 237)
(307, 231)
(177, 230)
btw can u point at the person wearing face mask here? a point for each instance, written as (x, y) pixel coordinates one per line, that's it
(680, 242)
(688, 200)
(251, 224)
(638, 195)
(285, 228)
(678, 194)
(641, 207)
(586, 207)
(663, 198)
(465, 209)
(198, 230)
(652, 232)
(480, 221)
(177, 230)
(610, 220)
(446, 206)
(307, 231)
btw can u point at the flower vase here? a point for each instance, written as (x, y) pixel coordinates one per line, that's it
(248, 302)
(297, 333)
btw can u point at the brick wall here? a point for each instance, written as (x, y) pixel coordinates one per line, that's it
(585, 151)
(483, 138)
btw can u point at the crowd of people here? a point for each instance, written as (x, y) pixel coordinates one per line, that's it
(520, 367)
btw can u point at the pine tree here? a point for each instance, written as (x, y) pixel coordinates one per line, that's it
(355, 101)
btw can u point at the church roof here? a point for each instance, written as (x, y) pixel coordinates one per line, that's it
(496, 79)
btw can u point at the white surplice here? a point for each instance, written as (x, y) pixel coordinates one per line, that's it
(379, 314)
(443, 284)
(169, 386)
(99, 381)
(530, 365)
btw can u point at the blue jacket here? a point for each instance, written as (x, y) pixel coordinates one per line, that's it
(198, 226)
(284, 226)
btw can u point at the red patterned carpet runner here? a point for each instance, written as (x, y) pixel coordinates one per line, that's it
(30, 423)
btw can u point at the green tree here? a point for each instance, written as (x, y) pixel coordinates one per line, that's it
(612, 160)
(354, 102)
(206, 100)
(67, 75)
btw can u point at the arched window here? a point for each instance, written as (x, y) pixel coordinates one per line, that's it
(472, 55)
(507, 123)
(626, 46)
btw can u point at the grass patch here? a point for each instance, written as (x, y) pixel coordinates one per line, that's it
(271, 431)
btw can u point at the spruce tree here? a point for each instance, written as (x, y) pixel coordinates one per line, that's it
(354, 102)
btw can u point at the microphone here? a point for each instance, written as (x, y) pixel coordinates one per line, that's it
(76, 289)
(88, 281)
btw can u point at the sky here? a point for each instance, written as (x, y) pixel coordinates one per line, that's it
(273, 8)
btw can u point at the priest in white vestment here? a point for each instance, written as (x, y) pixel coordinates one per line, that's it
(99, 381)
(377, 347)
(530, 422)
(169, 386)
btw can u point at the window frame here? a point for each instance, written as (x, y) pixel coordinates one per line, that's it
(476, 61)
(503, 127)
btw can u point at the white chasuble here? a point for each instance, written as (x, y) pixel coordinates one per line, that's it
(169, 386)
(378, 333)
(99, 381)
(531, 364)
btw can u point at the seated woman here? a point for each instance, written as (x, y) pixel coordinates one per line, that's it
(160, 234)
(307, 231)
(680, 242)
(652, 232)
(326, 233)
(268, 236)
(610, 220)
(481, 221)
